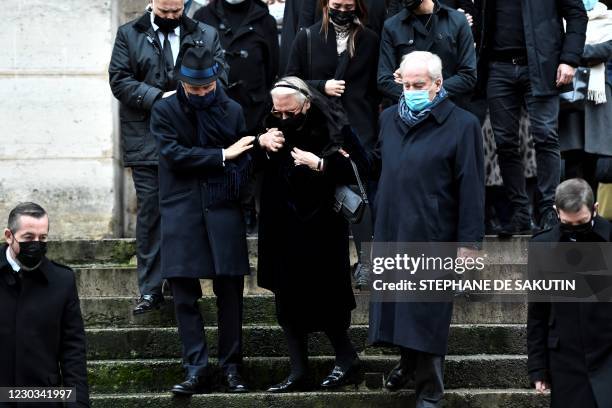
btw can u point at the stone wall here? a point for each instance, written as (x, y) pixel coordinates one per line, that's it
(58, 118)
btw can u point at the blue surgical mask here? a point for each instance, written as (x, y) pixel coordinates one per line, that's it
(417, 100)
(589, 4)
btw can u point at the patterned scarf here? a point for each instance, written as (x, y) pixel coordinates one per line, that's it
(411, 118)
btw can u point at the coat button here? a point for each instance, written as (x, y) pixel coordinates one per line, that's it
(440, 36)
(410, 42)
(206, 210)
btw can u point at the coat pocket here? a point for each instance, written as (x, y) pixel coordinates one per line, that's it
(176, 196)
(133, 135)
(433, 223)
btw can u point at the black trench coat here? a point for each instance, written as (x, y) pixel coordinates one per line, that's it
(251, 50)
(303, 243)
(570, 344)
(138, 78)
(450, 38)
(198, 240)
(41, 331)
(360, 99)
(431, 189)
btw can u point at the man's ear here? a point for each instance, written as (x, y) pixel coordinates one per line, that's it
(596, 208)
(306, 106)
(8, 236)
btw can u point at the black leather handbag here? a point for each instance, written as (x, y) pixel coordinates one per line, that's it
(349, 203)
(573, 96)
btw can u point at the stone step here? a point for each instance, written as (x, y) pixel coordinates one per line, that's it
(121, 280)
(135, 376)
(269, 341)
(259, 310)
(454, 398)
(122, 251)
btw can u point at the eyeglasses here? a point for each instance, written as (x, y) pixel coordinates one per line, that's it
(291, 114)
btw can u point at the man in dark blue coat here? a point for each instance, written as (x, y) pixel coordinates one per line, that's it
(570, 344)
(431, 189)
(141, 73)
(203, 166)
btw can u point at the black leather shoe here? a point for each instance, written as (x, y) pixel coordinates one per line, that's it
(339, 377)
(549, 220)
(235, 384)
(148, 303)
(192, 385)
(289, 385)
(517, 226)
(398, 378)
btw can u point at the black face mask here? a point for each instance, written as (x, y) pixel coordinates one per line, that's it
(166, 24)
(341, 17)
(577, 230)
(292, 123)
(412, 4)
(31, 253)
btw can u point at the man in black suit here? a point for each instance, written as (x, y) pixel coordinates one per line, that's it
(41, 329)
(570, 344)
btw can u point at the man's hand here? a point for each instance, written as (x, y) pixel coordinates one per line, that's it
(245, 143)
(273, 140)
(334, 88)
(542, 387)
(397, 77)
(469, 17)
(167, 94)
(565, 74)
(467, 253)
(302, 157)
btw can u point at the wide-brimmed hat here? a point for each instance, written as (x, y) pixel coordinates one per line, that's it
(197, 67)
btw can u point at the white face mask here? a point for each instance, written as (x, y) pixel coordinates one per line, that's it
(234, 1)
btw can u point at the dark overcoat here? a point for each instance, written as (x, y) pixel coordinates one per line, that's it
(199, 239)
(548, 43)
(138, 78)
(251, 50)
(570, 344)
(449, 37)
(42, 337)
(431, 189)
(303, 243)
(360, 99)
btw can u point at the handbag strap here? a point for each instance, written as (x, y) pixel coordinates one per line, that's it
(309, 52)
(364, 196)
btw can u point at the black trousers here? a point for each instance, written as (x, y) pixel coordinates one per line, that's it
(148, 230)
(509, 88)
(229, 292)
(428, 372)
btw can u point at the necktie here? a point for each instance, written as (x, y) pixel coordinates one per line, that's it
(168, 57)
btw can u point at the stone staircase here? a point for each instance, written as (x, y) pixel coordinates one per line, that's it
(134, 360)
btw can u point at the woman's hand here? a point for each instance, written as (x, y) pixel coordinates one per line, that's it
(273, 140)
(304, 158)
(334, 88)
(245, 143)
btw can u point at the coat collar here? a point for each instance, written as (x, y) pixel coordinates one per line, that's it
(601, 228)
(439, 114)
(143, 24)
(41, 273)
(256, 11)
(406, 14)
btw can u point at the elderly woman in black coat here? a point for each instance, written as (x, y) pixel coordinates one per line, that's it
(303, 243)
(342, 65)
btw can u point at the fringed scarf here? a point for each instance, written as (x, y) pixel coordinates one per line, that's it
(412, 118)
(214, 131)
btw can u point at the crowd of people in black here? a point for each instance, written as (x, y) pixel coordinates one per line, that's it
(224, 127)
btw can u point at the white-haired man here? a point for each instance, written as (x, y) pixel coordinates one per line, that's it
(431, 189)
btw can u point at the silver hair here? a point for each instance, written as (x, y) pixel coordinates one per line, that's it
(434, 63)
(301, 96)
